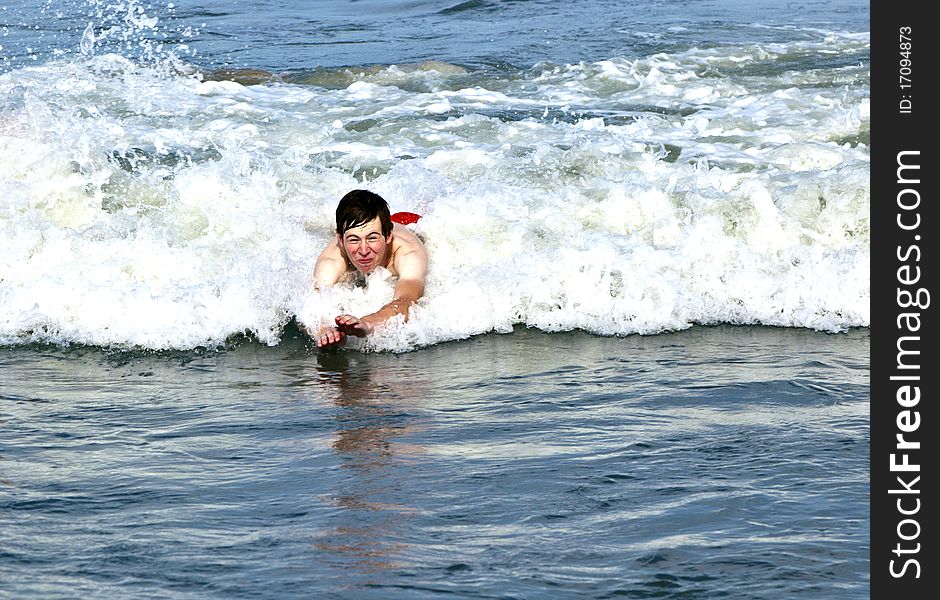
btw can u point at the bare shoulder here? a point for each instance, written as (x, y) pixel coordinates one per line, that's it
(405, 239)
(331, 265)
(408, 253)
(332, 253)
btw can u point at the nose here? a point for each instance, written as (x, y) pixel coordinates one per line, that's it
(362, 249)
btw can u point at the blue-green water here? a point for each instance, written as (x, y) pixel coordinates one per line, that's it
(640, 368)
(293, 34)
(715, 462)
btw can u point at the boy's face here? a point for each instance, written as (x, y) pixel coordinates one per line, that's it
(365, 246)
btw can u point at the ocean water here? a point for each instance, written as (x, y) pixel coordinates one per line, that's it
(640, 367)
(151, 199)
(718, 462)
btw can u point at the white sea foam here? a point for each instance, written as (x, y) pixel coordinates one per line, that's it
(140, 207)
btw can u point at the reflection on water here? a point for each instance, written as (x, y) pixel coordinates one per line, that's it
(526, 465)
(373, 502)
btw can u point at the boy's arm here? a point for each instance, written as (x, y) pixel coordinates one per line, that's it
(330, 268)
(412, 268)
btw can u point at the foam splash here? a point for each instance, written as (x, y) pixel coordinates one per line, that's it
(129, 28)
(151, 207)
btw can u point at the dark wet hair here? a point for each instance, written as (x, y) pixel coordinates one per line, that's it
(359, 207)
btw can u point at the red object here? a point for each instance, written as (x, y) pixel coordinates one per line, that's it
(405, 218)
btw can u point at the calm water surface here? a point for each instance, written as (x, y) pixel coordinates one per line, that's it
(716, 462)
